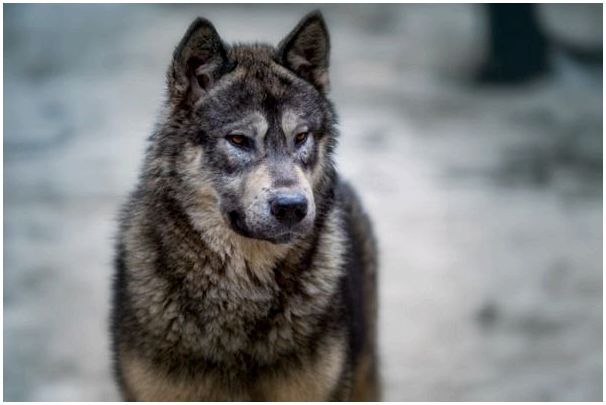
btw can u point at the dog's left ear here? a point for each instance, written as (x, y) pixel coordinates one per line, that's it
(305, 50)
(199, 61)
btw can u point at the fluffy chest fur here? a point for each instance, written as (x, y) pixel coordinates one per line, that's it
(229, 308)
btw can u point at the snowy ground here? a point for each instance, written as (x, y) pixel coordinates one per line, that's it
(487, 203)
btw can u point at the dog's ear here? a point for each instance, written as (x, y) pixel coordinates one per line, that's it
(198, 62)
(305, 50)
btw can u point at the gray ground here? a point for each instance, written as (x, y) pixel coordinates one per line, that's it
(487, 202)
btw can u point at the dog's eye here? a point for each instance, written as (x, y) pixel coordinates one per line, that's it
(301, 137)
(240, 141)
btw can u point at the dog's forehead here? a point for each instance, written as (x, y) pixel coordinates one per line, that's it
(259, 69)
(260, 92)
(290, 120)
(259, 122)
(251, 55)
(255, 120)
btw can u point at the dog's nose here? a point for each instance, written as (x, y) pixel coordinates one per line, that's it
(289, 209)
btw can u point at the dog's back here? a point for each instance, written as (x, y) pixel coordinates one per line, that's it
(245, 269)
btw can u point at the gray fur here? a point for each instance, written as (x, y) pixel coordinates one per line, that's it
(214, 297)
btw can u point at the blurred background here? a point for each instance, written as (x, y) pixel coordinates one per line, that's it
(473, 135)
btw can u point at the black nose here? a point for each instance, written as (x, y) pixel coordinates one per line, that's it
(289, 209)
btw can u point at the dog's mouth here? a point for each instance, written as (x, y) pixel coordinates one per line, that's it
(283, 238)
(238, 224)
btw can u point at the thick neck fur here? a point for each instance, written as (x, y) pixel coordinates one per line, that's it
(201, 290)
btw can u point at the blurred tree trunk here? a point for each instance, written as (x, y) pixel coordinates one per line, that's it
(517, 47)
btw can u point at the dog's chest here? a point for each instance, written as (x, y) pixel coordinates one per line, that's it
(193, 302)
(223, 309)
(314, 378)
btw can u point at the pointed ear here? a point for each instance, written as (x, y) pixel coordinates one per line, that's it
(198, 62)
(305, 50)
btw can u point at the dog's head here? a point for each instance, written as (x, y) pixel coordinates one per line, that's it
(251, 125)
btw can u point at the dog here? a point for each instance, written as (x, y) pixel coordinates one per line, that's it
(245, 268)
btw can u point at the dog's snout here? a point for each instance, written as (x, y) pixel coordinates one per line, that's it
(289, 209)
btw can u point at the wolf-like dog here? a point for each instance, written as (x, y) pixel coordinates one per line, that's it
(245, 267)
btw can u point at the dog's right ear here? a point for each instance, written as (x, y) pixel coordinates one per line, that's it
(198, 62)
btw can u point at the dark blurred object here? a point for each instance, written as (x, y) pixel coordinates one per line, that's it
(518, 47)
(586, 55)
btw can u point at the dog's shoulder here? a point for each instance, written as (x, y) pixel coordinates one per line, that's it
(358, 287)
(356, 220)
